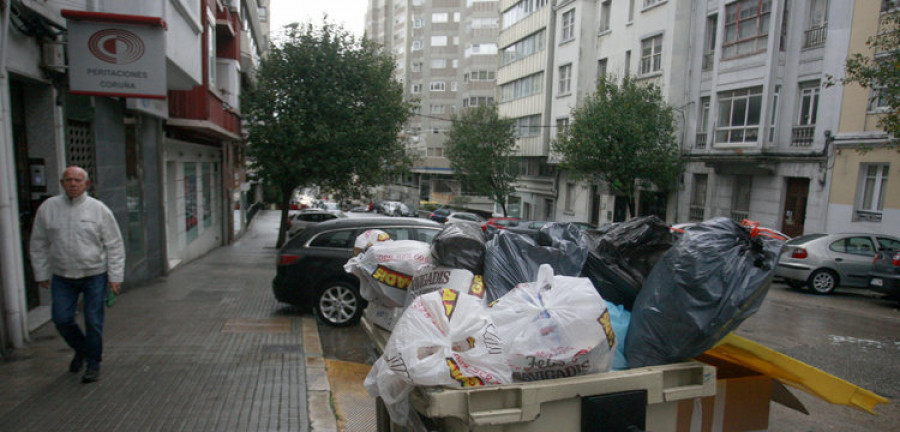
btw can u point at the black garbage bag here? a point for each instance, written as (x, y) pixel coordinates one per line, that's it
(622, 257)
(511, 258)
(701, 289)
(461, 246)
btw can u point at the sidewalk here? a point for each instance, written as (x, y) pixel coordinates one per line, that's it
(206, 348)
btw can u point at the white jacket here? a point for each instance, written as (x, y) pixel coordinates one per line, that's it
(76, 238)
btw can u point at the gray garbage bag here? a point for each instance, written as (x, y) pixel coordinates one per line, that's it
(511, 258)
(702, 288)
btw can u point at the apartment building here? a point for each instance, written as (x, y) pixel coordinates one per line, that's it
(446, 54)
(158, 130)
(862, 173)
(744, 76)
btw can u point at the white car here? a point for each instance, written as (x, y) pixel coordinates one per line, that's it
(303, 219)
(465, 217)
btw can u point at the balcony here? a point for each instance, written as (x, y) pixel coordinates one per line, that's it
(696, 213)
(815, 36)
(700, 142)
(203, 112)
(802, 136)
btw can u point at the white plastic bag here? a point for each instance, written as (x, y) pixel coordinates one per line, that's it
(434, 278)
(385, 270)
(555, 327)
(444, 338)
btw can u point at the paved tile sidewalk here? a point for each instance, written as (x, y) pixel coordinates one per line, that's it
(206, 348)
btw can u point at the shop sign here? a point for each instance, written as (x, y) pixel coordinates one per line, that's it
(116, 55)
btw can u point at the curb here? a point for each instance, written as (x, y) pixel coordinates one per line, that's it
(322, 417)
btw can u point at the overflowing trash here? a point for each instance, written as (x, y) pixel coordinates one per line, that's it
(476, 312)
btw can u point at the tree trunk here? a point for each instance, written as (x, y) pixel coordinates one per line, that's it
(282, 227)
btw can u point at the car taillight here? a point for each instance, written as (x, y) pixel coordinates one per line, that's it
(896, 260)
(799, 253)
(287, 259)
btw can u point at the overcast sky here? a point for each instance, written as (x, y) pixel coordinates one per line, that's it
(351, 14)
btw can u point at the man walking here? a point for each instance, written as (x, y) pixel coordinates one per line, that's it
(76, 248)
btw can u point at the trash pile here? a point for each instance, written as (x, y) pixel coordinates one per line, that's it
(465, 311)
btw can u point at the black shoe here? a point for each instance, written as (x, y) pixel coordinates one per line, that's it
(90, 375)
(76, 364)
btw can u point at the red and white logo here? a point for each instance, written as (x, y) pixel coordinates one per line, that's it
(116, 46)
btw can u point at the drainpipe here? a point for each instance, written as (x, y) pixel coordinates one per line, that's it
(10, 251)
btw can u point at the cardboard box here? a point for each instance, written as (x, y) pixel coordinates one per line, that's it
(741, 404)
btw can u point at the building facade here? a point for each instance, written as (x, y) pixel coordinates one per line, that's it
(446, 54)
(149, 160)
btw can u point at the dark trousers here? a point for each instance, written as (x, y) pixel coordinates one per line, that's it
(65, 292)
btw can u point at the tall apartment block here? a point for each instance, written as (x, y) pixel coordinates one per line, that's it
(446, 53)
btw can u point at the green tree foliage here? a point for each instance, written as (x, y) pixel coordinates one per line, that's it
(623, 135)
(327, 111)
(881, 71)
(480, 146)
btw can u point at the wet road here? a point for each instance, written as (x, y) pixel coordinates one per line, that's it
(852, 334)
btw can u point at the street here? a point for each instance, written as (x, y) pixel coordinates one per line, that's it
(852, 334)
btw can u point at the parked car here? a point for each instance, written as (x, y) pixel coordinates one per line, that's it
(464, 217)
(310, 269)
(395, 208)
(305, 218)
(496, 223)
(822, 262)
(884, 277)
(440, 215)
(530, 228)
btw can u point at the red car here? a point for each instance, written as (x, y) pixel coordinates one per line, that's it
(496, 223)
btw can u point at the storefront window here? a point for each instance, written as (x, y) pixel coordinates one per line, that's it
(136, 249)
(190, 202)
(207, 195)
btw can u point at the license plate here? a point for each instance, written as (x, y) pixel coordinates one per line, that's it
(876, 282)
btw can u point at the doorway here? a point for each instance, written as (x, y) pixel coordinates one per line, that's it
(795, 199)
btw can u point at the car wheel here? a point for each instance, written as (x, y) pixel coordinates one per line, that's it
(822, 281)
(339, 304)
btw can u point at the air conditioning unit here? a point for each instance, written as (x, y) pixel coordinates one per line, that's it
(53, 56)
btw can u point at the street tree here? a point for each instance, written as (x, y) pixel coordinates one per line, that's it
(481, 147)
(622, 135)
(327, 111)
(881, 71)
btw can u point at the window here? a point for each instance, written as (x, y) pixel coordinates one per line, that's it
(437, 109)
(416, 88)
(648, 3)
(604, 15)
(440, 17)
(627, 63)
(438, 41)
(630, 11)
(416, 45)
(872, 190)
(702, 123)
(521, 10)
(880, 99)
(698, 198)
(453, 86)
(437, 86)
(601, 68)
(740, 197)
(528, 126)
(211, 54)
(438, 63)
(651, 55)
(746, 27)
(738, 119)
(562, 124)
(524, 47)
(568, 26)
(809, 104)
(774, 117)
(817, 30)
(479, 76)
(709, 51)
(418, 23)
(481, 49)
(334, 239)
(854, 245)
(570, 196)
(416, 67)
(477, 100)
(565, 79)
(522, 87)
